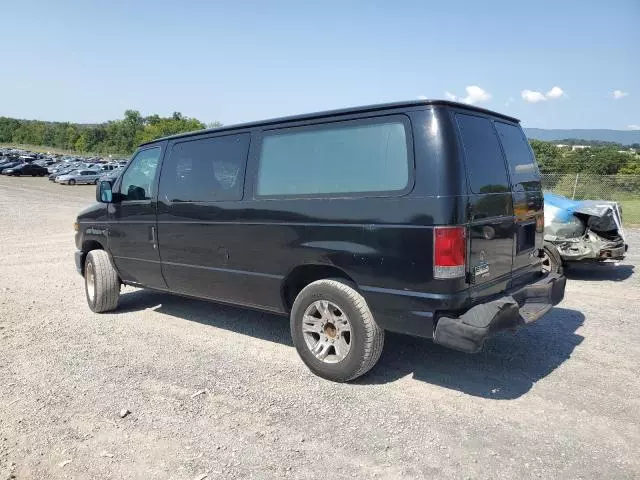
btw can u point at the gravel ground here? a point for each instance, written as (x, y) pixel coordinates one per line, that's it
(220, 391)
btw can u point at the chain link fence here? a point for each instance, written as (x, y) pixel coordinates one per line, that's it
(624, 189)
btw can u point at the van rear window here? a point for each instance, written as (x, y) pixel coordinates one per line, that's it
(486, 170)
(335, 159)
(516, 148)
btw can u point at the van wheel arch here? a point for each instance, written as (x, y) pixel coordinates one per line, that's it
(303, 275)
(87, 246)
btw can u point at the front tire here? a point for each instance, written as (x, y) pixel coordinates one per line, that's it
(102, 285)
(71, 182)
(334, 331)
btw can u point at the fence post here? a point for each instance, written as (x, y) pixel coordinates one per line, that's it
(575, 185)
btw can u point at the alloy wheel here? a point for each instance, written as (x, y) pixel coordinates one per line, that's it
(327, 331)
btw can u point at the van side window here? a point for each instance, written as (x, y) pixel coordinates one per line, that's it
(486, 171)
(516, 148)
(205, 170)
(337, 158)
(137, 180)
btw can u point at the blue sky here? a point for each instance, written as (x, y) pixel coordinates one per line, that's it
(234, 61)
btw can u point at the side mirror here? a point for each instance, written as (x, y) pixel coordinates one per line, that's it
(103, 192)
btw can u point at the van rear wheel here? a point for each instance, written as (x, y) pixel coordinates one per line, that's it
(334, 331)
(101, 281)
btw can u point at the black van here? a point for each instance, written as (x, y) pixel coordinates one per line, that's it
(423, 217)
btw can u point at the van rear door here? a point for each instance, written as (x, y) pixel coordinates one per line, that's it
(490, 205)
(528, 202)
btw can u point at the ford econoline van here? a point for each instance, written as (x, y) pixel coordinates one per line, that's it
(423, 217)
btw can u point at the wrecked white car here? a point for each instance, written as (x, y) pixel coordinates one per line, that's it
(581, 231)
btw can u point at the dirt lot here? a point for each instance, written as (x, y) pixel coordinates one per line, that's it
(559, 399)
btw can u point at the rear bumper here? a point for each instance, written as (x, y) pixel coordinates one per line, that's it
(469, 331)
(591, 247)
(615, 254)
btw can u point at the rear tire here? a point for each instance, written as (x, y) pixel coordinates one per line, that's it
(552, 262)
(102, 285)
(347, 325)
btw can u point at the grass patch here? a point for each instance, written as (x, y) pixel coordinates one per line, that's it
(630, 211)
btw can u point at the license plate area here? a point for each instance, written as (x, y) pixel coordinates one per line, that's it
(613, 253)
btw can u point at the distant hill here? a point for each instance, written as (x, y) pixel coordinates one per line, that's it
(625, 137)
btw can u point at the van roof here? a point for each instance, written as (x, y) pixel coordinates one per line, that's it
(342, 111)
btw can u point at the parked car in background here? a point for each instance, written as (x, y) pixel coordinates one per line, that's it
(9, 165)
(112, 175)
(53, 167)
(79, 177)
(60, 171)
(8, 158)
(581, 231)
(5, 161)
(64, 170)
(58, 167)
(115, 166)
(108, 167)
(31, 169)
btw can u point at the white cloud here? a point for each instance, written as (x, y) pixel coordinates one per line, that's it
(532, 96)
(509, 101)
(555, 92)
(618, 94)
(422, 97)
(633, 127)
(450, 96)
(475, 94)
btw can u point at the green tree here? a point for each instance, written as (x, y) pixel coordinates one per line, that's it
(547, 155)
(82, 143)
(632, 167)
(602, 161)
(162, 127)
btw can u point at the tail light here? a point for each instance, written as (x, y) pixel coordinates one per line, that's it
(449, 248)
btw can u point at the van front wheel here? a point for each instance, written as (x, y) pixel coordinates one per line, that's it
(334, 331)
(101, 282)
